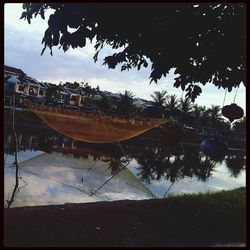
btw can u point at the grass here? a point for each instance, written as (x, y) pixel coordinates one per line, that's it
(218, 216)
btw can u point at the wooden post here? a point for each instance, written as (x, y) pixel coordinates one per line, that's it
(9, 138)
(20, 140)
(31, 138)
(72, 144)
(28, 89)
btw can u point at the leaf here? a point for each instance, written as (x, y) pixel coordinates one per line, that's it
(190, 87)
(42, 13)
(26, 6)
(43, 50)
(183, 85)
(96, 56)
(24, 14)
(56, 37)
(35, 7)
(28, 17)
(197, 89)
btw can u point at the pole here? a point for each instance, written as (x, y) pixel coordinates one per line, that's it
(16, 163)
(31, 138)
(20, 139)
(72, 144)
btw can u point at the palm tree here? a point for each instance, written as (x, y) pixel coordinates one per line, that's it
(235, 163)
(127, 96)
(204, 120)
(105, 103)
(158, 108)
(215, 117)
(126, 103)
(185, 107)
(159, 98)
(240, 125)
(172, 105)
(197, 113)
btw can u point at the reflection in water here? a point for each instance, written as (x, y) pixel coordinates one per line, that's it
(236, 163)
(156, 161)
(153, 162)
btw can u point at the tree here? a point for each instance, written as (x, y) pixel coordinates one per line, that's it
(185, 107)
(158, 108)
(105, 103)
(71, 85)
(215, 116)
(235, 163)
(126, 103)
(197, 112)
(88, 90)
(159, 98)
(205, 116)
(172, 105)
(204, 42)
(240, 125)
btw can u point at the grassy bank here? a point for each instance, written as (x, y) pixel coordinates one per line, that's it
(216, 216)
(187, 220)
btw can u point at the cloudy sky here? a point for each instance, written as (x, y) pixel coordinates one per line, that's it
(22, 49)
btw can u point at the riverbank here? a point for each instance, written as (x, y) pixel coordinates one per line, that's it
(187, 220)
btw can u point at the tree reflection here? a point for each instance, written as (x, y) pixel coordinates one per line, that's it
(156, 160)
(236, 163)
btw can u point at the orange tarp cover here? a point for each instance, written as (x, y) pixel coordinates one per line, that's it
(94, 128)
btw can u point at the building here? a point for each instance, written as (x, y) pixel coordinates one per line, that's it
(12, 78)
(75, 98)
(11, 71)
(16, 81)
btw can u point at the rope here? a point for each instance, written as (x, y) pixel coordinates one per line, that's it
(94, 192)
(128, 162)
(168, 189)
(224, 97)
(93, 164)
(119, 144)
(235, 94)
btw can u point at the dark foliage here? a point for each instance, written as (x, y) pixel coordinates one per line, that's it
(206, 43)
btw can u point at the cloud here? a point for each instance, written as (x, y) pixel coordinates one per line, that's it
(12, 14)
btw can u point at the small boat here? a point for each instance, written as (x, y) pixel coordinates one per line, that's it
(92, 127)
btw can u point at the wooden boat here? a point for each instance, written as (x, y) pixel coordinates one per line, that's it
(93, 128)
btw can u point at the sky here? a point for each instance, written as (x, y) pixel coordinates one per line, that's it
(22, 49)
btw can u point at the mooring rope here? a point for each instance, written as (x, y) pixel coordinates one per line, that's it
(236, 94)
(224, 98)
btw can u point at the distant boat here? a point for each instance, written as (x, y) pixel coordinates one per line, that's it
(90, 127)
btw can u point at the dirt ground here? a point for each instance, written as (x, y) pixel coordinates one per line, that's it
(99, 224)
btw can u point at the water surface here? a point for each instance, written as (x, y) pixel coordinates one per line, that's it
(58, 174)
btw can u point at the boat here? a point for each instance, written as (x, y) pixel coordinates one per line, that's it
(93, 127)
